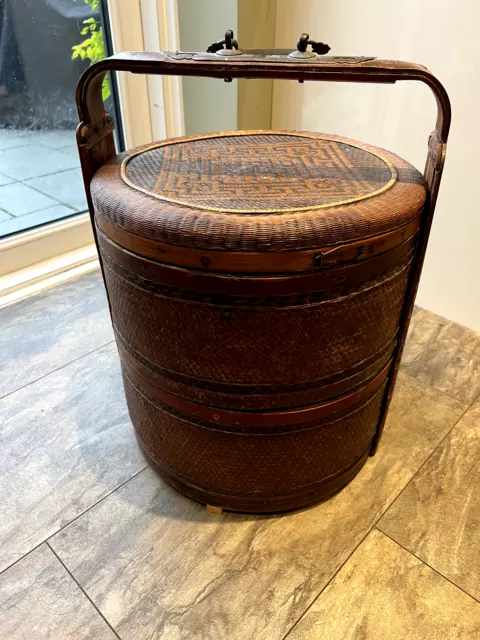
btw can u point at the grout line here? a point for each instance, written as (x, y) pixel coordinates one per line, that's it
(474, 400)
(45, 175)
(16, 146)
(426, 564)
(423, 464)
(431, 386)
(64, 146)
(55, 203)
(41, 175)
(44, 193)
(107, 495)
(25, 555)
(84, 592)
(57, 369)
(334, 575)
(46, 540)
(374, 525)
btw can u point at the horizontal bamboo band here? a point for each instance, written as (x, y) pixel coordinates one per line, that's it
(249, 262)
(252, 397)
(257, 418)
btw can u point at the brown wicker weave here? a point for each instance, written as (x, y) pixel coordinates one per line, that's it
(306, 346)
(278, 191)
(260, 285)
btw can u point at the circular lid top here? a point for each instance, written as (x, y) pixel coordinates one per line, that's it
(259, 173)
(258, 191)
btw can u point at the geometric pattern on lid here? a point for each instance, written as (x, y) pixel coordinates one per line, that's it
(248, 172)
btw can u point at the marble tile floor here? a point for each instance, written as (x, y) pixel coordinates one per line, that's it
(40, 178)
(94, 545)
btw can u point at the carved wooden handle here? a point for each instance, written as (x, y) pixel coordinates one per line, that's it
(263, 64)
(91, 108)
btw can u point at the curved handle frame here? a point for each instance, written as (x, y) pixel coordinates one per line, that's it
(96, 144)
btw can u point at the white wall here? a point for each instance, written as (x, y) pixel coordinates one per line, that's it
(209, 104)
(256, 30)
(443, 35)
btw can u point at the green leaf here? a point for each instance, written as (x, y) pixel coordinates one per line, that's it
(105, 89)
(92, 47)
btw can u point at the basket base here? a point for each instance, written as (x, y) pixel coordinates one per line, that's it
(217, 503)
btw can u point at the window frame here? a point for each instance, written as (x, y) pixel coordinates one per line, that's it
(151, 109)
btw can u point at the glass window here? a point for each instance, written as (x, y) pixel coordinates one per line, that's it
(44, 47)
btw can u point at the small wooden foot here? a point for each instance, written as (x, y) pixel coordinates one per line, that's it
(213, 509)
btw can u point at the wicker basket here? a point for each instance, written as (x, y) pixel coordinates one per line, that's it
(260, 285)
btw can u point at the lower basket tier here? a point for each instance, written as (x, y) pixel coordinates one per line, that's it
(255, 469)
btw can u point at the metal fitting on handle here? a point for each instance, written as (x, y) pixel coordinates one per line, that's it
(226, 47)
(318, 48)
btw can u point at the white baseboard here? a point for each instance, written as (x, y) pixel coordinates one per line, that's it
(26, 282)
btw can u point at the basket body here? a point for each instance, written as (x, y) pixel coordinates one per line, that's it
(256, 283)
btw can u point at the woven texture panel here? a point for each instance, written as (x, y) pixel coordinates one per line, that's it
(244, 465)
(223, 343)
(259, 173)
(322, 173)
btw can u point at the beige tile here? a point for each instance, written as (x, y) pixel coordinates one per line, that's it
(39, 600)
(444, 355)
(66, 442)
(437, 516)
(384, 592)
(160, 567)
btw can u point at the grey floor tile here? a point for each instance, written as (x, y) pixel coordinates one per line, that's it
(384, 592)
(18, 199)
(40, 601)
(5, 180)
(444, 355)
(14, 225)
(4, 216)
(22, 163)
(67, 441)
(437, 516)
(42, 333)
(54, 139)
(11, 138)
(71, 149)
(159, 566)
(67, 187)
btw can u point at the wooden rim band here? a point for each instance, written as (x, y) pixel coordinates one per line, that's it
(276, 418)
(111, 238)
(251, 397)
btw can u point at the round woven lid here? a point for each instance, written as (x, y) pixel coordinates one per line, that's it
(258, 191)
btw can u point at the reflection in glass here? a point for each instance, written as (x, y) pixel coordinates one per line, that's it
(44, 47)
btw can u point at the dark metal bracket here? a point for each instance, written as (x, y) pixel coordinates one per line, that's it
(226, 47)
(93, 133)
(317, 47)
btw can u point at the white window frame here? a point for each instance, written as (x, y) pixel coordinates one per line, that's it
(152, 109)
